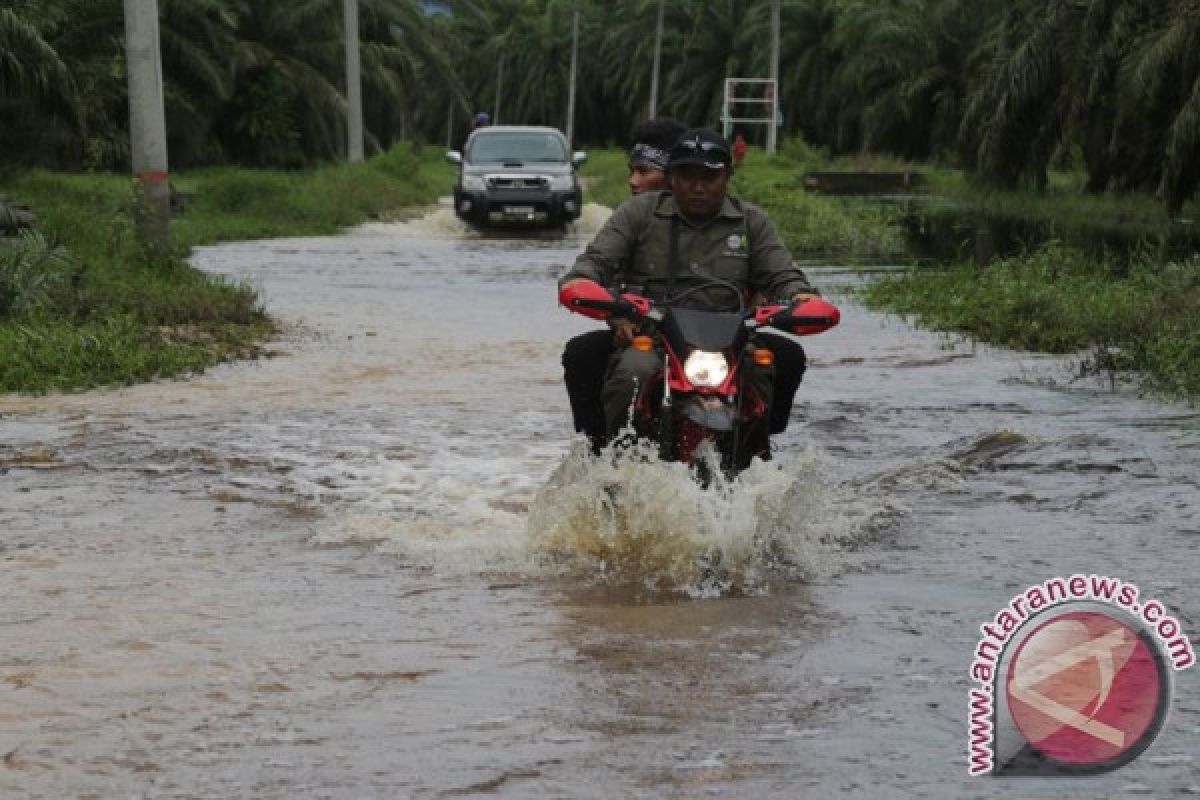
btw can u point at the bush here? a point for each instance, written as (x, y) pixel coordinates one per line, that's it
(33, 275)
(1061, 300)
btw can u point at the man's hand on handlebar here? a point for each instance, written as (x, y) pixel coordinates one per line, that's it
(623, 331)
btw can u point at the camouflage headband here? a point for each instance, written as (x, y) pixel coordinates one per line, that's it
(651, 156)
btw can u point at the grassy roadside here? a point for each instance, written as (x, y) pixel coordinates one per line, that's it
(82, 306)
(1116, 281)
(1142, 316)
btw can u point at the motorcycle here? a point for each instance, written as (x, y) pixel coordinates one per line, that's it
(705, 390)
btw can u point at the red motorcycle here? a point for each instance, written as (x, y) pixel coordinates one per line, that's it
(704, 392)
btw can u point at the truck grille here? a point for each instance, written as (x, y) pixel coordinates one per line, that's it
(515, 182)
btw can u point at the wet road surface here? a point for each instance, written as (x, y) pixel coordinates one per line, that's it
(374, 567)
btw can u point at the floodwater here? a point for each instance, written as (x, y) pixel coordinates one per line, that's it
(376, 565)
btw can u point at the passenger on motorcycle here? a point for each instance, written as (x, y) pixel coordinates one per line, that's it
(585, 358)
(716, 237)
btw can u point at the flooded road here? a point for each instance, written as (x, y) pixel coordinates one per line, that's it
(372, 566)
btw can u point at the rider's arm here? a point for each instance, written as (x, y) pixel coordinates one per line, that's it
(606, 257)
(772, 270)
(603, 259)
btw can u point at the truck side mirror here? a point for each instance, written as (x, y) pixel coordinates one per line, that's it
(454, 157)
(579, 159)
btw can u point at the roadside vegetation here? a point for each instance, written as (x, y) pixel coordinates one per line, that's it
(817, 227)
(1124, 313)
(81, 305)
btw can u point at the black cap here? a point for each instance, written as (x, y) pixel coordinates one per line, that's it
(703, 147)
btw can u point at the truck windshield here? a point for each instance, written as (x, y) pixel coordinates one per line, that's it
(517, 147)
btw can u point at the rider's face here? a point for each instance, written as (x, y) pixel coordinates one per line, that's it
(645, 178)
(699, 191)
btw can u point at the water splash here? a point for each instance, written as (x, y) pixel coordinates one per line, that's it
(439, 223)
(591, 220)
(443, 223)
(635, 519)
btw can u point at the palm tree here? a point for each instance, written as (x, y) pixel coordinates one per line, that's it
(410, 80)
(1164, 74)
(716, 40)
(29, 66)
(809, 58)
(902, 78)
(195, 38)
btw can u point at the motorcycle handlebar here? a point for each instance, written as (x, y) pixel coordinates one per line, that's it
(592, 300)
(618, 308)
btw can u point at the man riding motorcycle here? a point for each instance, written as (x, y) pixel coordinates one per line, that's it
(665, 243)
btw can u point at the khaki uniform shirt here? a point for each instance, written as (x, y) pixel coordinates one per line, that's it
(738, 245)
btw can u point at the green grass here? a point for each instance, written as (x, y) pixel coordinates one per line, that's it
(606, 177)
(1142, 317)
(814, 226)
(1064, 200)
(83, 305)
(240, 204)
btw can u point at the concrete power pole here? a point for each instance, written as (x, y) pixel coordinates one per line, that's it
(658, 36)
(574, 73)
(499, 88)
(147, 123)
(773, 127)
(354, 106)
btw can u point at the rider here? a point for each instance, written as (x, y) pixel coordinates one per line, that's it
(719, 238)
(585, 358)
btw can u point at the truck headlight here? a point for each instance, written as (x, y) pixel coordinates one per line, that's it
(706, 369)
(562, 183)
(472, 183)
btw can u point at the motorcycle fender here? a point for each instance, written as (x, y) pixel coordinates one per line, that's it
(708, 412)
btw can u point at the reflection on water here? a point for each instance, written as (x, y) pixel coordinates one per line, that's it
(374, 566)
(942, 233)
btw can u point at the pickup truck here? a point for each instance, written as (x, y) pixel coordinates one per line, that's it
(513, 175)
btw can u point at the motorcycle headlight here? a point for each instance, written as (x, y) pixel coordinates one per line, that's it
(472, 183)
(562, 183)
(706, 369)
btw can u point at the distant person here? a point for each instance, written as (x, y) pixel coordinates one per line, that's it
(480, 120)
(739, 149)
(585, 358)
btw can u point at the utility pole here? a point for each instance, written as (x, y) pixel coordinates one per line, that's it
(354, 107)
(574, 72)
(773, 126)
(147, 124)
(658, 36)
(499, 85)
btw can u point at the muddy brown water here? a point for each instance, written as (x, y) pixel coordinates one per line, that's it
(374, 567)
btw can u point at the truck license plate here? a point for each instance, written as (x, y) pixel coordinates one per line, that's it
(522, 210)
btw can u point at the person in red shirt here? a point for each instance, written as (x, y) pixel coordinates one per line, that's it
(739, 149)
